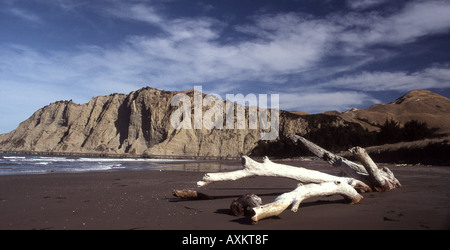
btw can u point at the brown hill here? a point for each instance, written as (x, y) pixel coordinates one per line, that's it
(420, 105)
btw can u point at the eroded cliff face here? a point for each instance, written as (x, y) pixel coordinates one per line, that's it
(138, 123)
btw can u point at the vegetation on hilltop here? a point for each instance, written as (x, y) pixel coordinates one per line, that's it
(340, 138)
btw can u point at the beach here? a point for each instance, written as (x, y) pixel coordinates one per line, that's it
(130, 200)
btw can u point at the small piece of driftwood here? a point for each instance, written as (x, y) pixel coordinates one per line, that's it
(190, 194)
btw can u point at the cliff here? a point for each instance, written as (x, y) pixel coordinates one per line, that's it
(136, 124)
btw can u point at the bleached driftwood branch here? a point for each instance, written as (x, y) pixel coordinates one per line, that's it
(303, 192)
(347, 167)
(380, 179)
(368, 172)
(269, 168)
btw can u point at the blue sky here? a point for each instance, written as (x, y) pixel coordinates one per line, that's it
(317, 55)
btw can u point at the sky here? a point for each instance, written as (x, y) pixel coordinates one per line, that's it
(317, 55)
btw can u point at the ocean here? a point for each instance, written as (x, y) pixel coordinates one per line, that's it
(35, 164)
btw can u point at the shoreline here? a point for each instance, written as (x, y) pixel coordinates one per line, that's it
(143, 200)
(114, 155)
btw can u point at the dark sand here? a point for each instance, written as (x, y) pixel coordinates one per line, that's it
(143, 200)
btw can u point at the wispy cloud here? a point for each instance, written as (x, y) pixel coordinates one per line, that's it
(24, 15)
(415, 20)
(364, 4)
(433, 77)
(320, 101)
(190, 51)
(138, 12)
(282, 44)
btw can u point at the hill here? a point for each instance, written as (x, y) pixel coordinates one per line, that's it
(420, 105)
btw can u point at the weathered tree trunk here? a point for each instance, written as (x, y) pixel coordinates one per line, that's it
(347, 167)
(368, 172)
(303, 192)
(380, 179)
(269, 168)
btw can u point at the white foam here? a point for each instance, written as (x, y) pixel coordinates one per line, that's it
(39, 159)
(65, 159)
(128, 160)
(43, 163)
(14, 157)
(87, 169)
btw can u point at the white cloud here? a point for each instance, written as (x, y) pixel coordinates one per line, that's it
(285, 43)
(188, 50)
(137, 12)
(415, 20)
(24, 14)
(363, 4)
(317, 102)
(433, 77)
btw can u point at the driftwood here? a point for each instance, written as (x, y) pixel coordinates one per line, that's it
(380, 179)
(190, 194)
(368, 172)
(269, 168)
(301, 193)
(348, 168)
(358, 178)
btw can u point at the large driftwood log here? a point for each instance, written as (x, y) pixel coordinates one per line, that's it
(303, 192)
(269, 168)
(368, 172)
(348, 168)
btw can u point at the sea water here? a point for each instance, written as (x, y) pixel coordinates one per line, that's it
(35, 164)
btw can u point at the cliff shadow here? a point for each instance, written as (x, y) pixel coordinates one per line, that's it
(123, 121)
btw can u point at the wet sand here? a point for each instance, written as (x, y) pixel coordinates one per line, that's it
(143, 200)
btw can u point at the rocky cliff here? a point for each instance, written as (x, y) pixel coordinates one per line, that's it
(137, 124)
